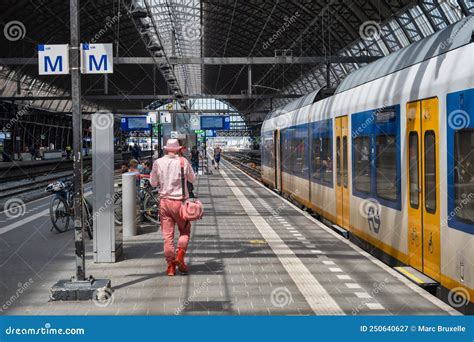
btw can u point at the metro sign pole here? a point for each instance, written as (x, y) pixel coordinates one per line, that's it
(75, 63)
(79, 287)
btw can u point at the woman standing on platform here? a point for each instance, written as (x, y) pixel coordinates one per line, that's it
(167, 173)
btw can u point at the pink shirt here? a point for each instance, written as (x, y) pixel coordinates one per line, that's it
(167, 173)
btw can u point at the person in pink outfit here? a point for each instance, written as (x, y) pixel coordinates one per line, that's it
(166, 172)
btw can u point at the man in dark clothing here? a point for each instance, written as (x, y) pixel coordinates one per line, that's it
(195, 159)
(217, 156)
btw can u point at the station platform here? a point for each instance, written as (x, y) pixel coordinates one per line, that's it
(253, 253)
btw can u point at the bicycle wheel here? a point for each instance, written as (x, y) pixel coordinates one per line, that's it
(151, 207)
(118, 209)
(60, 215)
(88, 219)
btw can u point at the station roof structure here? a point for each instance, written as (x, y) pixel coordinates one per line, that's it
(255, 55)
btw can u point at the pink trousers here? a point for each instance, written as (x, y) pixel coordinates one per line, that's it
(169, 216)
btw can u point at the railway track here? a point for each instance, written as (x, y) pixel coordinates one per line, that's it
(247, 161)
(20, 178)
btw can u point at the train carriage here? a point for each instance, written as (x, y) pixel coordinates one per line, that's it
(389, 157)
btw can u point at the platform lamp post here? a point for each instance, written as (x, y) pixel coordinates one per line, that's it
(78, 287)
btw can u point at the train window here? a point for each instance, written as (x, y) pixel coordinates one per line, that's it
(338, 160)
(268, 147)
(376, 155)
(326, 160)
(285, 150)
(344, 160)
(430, 171)
(386, 167)
(362, 174)
(299, 166)
(414, 181)
(316, 159)
(464, 175)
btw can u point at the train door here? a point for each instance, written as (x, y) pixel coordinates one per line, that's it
(277, 154)
(342, 181)
(423, 187)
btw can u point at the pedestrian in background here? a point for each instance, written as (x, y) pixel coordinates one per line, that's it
(195, 159)
(217, 157)
(166, 172)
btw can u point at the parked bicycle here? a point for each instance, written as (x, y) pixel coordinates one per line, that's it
(149, 203)
(61, 208)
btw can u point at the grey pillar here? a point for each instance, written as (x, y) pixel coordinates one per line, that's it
(129, 204)
(249, 79)
(107, 242)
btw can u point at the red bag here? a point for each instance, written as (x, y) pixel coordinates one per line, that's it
(190, 210)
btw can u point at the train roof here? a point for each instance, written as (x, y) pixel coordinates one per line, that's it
(300, 102)
(452, 37)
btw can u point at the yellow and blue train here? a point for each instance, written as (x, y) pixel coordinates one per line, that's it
(390, 156)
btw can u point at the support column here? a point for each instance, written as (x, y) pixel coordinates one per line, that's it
(75, 64)
(79, 287)
(249, 79)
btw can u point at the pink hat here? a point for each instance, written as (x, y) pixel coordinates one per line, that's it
(172, 145)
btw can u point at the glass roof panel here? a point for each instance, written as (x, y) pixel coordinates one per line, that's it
(179, 27)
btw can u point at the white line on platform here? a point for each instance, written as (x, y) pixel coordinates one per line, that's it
(363, 295)
(317, 297)
(353, 286)
(335, 269)
(374, 306)
(343, 276)
(328, 262)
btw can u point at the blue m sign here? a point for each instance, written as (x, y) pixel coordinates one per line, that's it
(98, 66)
(58, 63)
